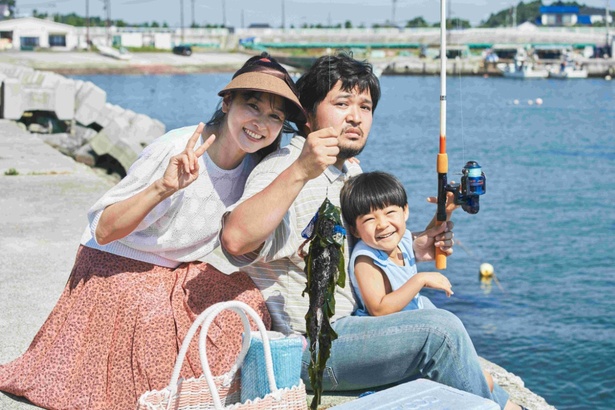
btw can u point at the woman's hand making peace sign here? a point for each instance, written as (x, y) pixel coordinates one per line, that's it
(183, 168)
(121, 218)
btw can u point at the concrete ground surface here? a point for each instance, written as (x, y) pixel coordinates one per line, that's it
(44, 198)
(42, 216)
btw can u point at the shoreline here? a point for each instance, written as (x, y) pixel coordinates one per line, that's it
(82, 63)
(159, 63)
(153, 69)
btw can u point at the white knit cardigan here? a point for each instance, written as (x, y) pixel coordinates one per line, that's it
(183, 227)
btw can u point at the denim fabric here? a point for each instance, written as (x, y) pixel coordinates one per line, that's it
(396, 348)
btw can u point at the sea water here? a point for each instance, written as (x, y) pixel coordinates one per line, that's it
(546, 222)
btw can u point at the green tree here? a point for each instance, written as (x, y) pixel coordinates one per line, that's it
(348, 24)
(11, 4)
(457, 23)
(525, 12)
(454, 23)
(567, 3)
(417, 22)
(38, 15)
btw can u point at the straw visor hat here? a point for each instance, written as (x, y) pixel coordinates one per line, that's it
(268, 83)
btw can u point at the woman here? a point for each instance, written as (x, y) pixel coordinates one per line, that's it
(130, 299)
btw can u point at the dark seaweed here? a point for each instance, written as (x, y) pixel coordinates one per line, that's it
(324, 268)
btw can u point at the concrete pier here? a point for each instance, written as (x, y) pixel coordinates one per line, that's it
(42, 219)
(44, 213)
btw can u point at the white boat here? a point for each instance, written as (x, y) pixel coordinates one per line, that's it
(121, 54)
(568, 72)
(522, 71)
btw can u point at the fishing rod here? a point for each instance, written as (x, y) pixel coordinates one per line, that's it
(473, 181)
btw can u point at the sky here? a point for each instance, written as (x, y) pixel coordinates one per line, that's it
(241, 13)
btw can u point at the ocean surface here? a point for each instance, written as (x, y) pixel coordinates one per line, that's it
(546, 223)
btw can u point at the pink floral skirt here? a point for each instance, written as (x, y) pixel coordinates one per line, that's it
(117, 328)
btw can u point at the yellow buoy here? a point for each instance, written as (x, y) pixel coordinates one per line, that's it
(486, 270)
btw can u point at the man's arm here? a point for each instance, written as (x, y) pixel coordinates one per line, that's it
(247, 226)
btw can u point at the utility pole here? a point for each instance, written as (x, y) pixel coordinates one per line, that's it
(393, 13)
(448, 20)
(193, 21)
(283, 16)
(223, 13)
(87, 24)
(107, 8)
(181, 19)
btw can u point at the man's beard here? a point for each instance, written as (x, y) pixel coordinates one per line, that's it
(349, 152)
(345, 152)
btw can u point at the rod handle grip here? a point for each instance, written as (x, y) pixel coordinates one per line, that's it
(440, 255)
(440, 259)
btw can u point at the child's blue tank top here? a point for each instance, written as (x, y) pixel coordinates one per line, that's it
(397, 275)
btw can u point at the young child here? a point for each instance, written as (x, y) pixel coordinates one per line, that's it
(382, 265)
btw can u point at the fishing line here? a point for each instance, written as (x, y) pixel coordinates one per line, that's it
(463, 143)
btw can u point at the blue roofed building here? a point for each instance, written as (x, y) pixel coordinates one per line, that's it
(571, 16)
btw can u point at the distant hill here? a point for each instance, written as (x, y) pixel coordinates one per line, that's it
(506, 18)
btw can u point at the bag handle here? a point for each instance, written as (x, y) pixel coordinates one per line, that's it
(205, 319)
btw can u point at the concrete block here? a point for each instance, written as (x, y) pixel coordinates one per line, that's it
(15, 71)
(419, 394)
(144, 129)
(108, 113)
(89, 101)
(64, 103)
(86, 155)
(115, 140)
(12, 99)
(124, 134)
(69, 143)
(83, 134)
(29, 94)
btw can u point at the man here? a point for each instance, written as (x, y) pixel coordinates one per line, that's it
(262, 235)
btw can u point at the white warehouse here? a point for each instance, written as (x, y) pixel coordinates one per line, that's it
(30, 33)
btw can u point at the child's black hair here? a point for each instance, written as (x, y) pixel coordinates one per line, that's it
(370, 191)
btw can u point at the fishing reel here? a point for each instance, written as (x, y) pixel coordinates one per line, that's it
(473, 185)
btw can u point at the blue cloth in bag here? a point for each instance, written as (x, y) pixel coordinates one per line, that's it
(286, 353)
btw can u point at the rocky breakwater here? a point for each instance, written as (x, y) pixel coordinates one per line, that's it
(74, 117)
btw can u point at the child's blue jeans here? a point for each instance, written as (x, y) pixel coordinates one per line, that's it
(377, 351)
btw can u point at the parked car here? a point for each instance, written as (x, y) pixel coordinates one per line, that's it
(182, 50)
